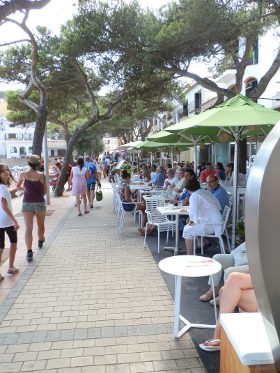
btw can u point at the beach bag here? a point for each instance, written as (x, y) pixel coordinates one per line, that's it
(99, 194)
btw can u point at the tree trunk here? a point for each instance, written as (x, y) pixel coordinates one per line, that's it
(41, 121)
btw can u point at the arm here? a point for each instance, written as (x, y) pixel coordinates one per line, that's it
(6, 209)
(20, 181)
(44, 184)
(70, 178)
(127, 195)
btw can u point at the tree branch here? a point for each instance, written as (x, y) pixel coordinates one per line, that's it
(12, 6)
(88, 89)
(14, 42)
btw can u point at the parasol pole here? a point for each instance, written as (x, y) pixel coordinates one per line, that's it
(234, 201)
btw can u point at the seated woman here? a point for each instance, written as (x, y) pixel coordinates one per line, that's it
(237, 292)
(129, 199)
(204, 214)
(241, 179)
(235, 261)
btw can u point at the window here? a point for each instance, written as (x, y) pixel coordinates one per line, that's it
(254, 54)
(12, 136)
(197, 99)
(13, 150)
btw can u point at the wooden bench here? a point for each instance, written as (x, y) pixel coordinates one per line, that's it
(245, 346)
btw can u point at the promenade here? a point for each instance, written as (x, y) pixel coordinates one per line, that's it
(91, 301)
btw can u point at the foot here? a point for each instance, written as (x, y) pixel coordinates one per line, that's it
(207, 296)
(91, 206)
(212, 301)
(29, 256)
(1, 277)
(86, 212)
(211, 345)
(12, 271)
(40, 243)
(79, 214)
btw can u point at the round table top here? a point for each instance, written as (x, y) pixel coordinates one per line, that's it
(189, 266)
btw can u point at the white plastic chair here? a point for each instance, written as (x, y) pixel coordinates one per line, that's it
(121, 211)
(154, 217)
(226, 214)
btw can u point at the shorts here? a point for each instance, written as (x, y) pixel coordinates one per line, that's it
(91, 186)
(12, 234)
(128, 207)
(35, 207)
(190, 231)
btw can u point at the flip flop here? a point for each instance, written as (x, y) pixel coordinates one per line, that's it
(80, 214)
(86, 212)
(1, 278)
(211, 345)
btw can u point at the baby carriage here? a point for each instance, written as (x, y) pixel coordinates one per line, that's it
(53, 182)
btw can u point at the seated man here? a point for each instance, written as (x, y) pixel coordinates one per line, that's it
(209, 171)
(154, 175)
(159, 180)
(204, 214)
(236, 261)
(237, 292)
(171, 180)
(217, 191)
(178, 188)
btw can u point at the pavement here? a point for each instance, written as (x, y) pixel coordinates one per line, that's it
(91, 301)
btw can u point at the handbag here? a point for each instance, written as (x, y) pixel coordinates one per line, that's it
(99, 194)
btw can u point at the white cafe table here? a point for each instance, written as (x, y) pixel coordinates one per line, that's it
(176, 211)
(189, 266)
(139, 186)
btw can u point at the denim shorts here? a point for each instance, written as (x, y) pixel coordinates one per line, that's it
(35, 207)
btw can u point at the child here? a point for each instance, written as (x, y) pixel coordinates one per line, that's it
(8, 222)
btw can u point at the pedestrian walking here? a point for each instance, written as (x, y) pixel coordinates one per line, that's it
(35, 188)
(91, 180)
(78, 180)
(8, 222)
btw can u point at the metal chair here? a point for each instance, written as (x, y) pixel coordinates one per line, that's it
(154, 217)
(226, 214)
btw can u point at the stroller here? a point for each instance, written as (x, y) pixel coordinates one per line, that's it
(53, 182)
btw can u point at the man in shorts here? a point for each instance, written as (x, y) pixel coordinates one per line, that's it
(92, 178)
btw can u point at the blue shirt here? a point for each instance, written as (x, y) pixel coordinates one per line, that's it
(92, 169)
(160, 180)
(184, 195)
(221, 194)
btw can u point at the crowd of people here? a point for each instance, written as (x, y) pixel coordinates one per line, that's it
(205, 193)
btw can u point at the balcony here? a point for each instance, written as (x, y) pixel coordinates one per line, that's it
(18, 137)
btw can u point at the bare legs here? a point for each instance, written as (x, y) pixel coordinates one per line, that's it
(28, 220)
(78, 203)
(90, 196)
(13, 249)
(189, 246)
(237, 292)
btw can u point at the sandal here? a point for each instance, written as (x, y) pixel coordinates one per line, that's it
(1, 277)
(211, 345)
(86, 212)
(12, 271)
(80, 214)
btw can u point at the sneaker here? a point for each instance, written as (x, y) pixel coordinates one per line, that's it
(12, 271)
(29, 256)
(40, 243)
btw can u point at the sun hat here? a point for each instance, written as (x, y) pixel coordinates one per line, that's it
(34, 159)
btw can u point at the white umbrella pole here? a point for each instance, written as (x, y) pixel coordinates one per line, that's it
(151, 158)
(234, 201)
(160, 160)
(172, 157)
(195, 159)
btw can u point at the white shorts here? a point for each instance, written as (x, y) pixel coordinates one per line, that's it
(190, 231)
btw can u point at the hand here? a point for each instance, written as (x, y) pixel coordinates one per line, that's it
(16, 225)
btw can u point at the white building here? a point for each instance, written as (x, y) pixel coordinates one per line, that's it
(16, 141)
(110, 144)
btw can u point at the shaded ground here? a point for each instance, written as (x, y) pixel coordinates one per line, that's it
(191, 307)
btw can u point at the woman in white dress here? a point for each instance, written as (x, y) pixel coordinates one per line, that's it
(204, 214)
(78, 180)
